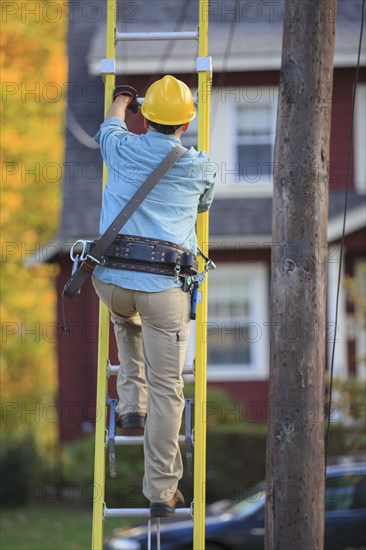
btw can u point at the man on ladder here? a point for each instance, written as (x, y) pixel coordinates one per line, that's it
(144, 281)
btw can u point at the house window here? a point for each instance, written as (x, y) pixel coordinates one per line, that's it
(237, 330)
(255, 135)
(242, 136)
(360, 328)
(360, 139)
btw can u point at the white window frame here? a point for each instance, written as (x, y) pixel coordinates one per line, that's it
(339, 332)
(360, 275)
(360, 139)
(259, 367)
(224, 137)
(268, 140)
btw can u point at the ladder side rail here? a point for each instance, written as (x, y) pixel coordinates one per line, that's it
(103, 345)
(204, 90)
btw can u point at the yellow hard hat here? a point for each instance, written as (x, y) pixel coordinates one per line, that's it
(168, 101)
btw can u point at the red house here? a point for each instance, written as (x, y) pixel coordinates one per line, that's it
(245, 44)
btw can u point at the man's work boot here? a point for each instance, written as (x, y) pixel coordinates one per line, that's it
(166, 509)
(131, 423)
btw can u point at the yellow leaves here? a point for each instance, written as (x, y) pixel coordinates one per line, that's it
(10, 135)
(57, 66)
(28, 332)
(33, 54)
(11, 48)
(49, 298)
(12, 200)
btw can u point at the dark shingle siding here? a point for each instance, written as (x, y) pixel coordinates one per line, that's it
(241, 216)
(82, 186)
(337, 202)
(253, 216)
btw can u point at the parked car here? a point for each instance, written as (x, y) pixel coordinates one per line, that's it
(241, 527)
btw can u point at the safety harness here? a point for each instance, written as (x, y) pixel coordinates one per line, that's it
(133, 253)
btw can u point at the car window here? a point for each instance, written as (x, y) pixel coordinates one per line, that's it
(345, 492)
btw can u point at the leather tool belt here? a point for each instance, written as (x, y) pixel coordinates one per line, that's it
(136, 253)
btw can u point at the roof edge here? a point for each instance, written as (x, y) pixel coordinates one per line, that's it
(355, 220)
(237, 64)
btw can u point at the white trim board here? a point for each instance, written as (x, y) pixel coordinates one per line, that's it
(355, 220)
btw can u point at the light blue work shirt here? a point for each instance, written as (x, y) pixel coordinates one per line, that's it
(170, 210)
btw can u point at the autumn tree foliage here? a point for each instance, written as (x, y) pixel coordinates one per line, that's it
(34, 84)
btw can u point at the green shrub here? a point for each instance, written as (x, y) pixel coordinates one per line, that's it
(236, 458)
(21, 471)
(126, 489)
(122, 491)
(350, 400)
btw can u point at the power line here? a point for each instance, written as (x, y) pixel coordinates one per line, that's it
(78, 132)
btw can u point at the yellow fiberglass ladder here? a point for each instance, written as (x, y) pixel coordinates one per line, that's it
(199, 364)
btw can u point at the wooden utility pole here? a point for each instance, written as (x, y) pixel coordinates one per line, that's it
(295, 449)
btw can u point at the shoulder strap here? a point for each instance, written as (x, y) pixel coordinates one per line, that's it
(132, 205)
(87, 267)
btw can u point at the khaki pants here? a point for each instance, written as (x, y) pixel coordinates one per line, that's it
(151, 330)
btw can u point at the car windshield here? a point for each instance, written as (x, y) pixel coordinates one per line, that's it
(344, 491)
(254, 499)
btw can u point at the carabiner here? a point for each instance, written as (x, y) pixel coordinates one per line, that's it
(177, 271)
(82, 256)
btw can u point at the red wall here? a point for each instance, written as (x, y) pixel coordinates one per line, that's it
(341, 128)
(77, 358)
(77, 352)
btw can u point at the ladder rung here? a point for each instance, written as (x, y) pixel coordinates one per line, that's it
(188, 370)
(140, 512)
(137, 439)
(139, 36)
(113, 369)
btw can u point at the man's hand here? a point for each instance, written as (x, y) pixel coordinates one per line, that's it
(130, 92)
(124, 97)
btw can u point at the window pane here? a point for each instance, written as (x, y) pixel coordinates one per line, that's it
(254, 162)
(255, 142)
(227, 344)
(254, 120)
(231, 331)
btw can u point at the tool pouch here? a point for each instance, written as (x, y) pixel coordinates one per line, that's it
(78, 279)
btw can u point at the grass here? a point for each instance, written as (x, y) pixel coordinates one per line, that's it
(52, 527)
(247, 428)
